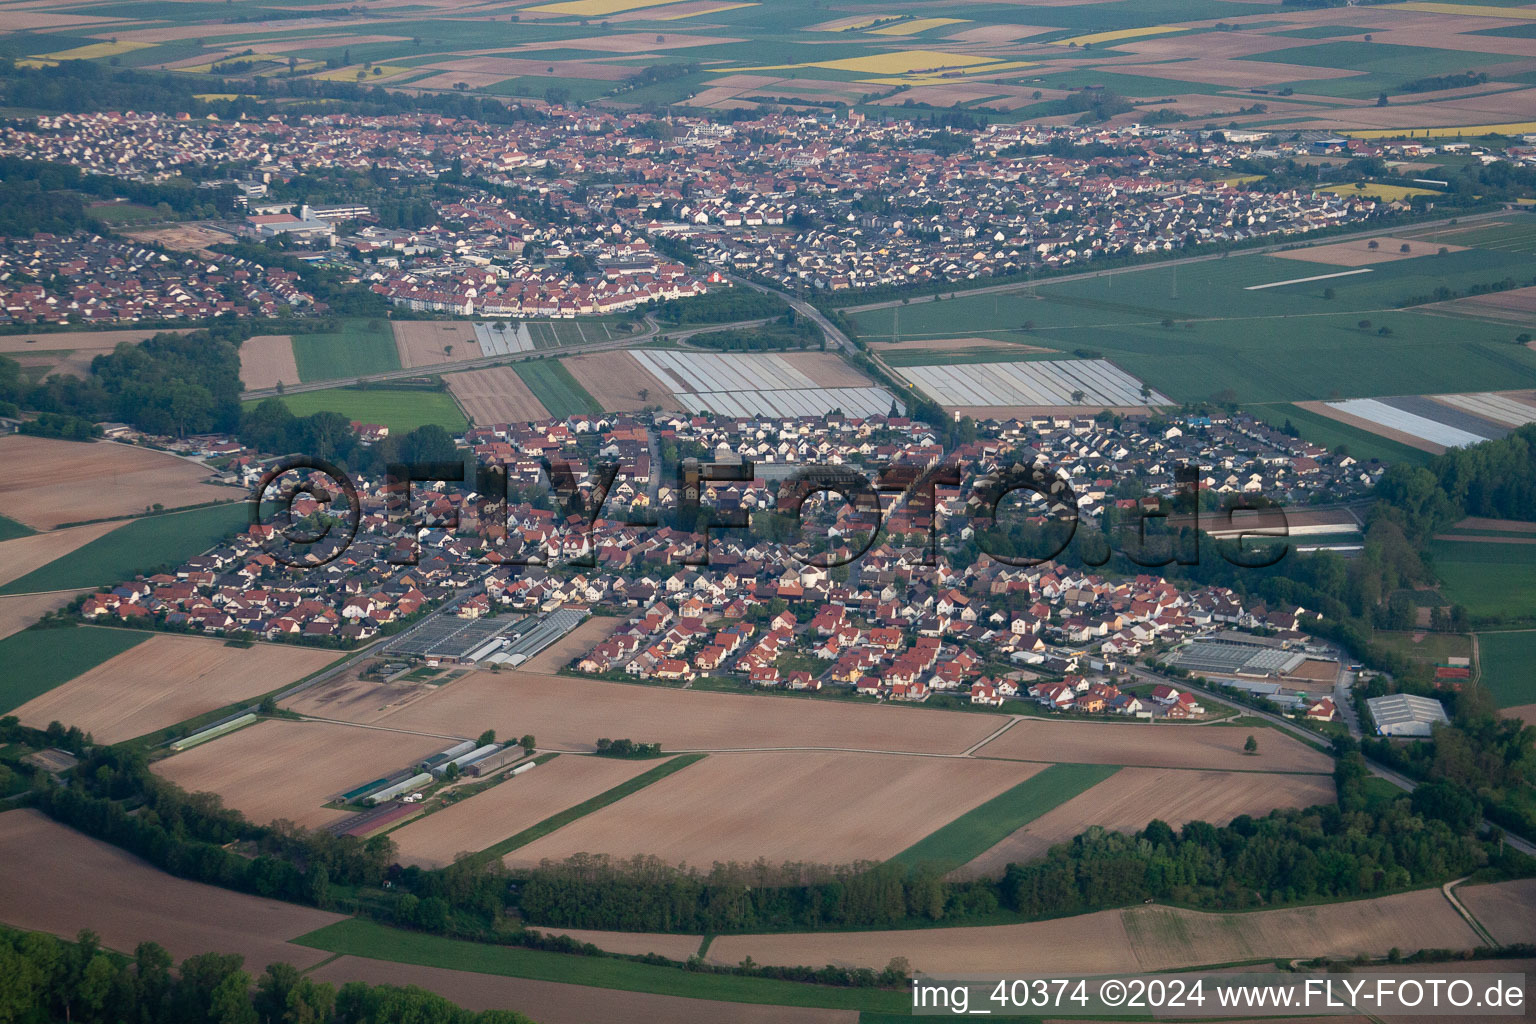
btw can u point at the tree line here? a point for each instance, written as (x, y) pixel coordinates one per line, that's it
(43, 978)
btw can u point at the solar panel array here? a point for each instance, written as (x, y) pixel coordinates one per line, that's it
(1036, 383)
(756, 385)
(503, 339)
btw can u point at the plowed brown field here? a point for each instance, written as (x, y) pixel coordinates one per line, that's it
(1154, 746)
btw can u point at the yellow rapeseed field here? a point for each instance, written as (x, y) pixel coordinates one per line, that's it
(1470, 10)
(899, 62)
(350, 74)
(1386, 193)
(95, 51)
(911, 28)
(1468, 130)
(1125, 33)
(597, 8)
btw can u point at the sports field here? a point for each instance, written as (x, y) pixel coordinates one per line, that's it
(137, 546)
(37, 660)
(555, 388)
(399, 409)
(359, 347)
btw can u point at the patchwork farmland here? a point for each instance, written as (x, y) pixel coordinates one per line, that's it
(1042, 385)
(755, 385)
(1436, 422)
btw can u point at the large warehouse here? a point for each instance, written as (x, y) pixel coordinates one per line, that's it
(1403, 714)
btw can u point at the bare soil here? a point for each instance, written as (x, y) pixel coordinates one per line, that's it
(47, 482)
(495, 394)
(615, 379)
(1132, 797)
(1168, 745)
(73, 881)
(21, 555)
(1358, 252)
(266, 360)
(168, 679)
(421, 342)
(792, 806)
(282, 769)
(508, 808)
(1506, 909)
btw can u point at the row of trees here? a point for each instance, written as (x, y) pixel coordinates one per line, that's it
(43, 978)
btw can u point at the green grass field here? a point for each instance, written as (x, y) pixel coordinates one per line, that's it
(1432, 648)
(398, 409)
(1495, 581)
(10, 529)
(1000, 354)
(553, 385)
(361, 346)
(1506, 660)
(357, 937)
(982, 827)
(37, 660)
(138, 546)
(586, 807)
(1196, 331)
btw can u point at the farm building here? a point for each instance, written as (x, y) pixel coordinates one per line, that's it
(1403, 714)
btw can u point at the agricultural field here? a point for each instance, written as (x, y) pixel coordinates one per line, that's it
(568, 713)
(1154, 746)
(1506, 909)
(1252, 327)
(136, 546)
(555, 389)
(1506, 660)
(267, 361)
(618, 382)
(37, 660)
(283, 769)
(10, 529)
(1128, 800)
(431, 342)
(509, 807)
(799, 806)
(359, 347)
(400, 409)
(1002, 389)
(21, 611)
(1142, 938)
(75, 882)
(48, 483)
(1198, 58)
(165, 680)
(983, 826)
(1433, 423)
(792, 384)
(496, 394)
(1491, 577)
(44, 354)
(23, 552)
(1333, 433)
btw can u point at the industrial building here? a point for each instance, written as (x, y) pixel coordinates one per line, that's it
(1403, 714)
(1235, 654)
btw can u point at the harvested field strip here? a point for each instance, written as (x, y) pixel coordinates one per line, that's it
(267, 361)
(75, 882)
(28, 551)
(361, 938)
(511, 807)
(138, 545)
(167, 680)
(586, 807)
(1155, 746)
(49, 483)
(285, 769)
(1506, 909)
(17, 613)
(1125, 33)
(37, 660)
(555, 388)
(786, 806)
(980, 828)
(495, 394)
(1129, 801)
(1142, 938)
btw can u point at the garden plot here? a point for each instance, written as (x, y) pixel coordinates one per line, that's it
(756, 385)
(1040, 384)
